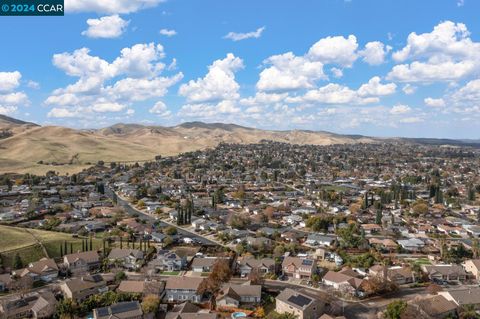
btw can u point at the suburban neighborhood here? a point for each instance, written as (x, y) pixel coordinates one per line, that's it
(342, 231)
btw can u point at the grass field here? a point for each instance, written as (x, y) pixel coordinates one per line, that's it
(28, 244)
(335, 188)
(422, 261)
(27, 254)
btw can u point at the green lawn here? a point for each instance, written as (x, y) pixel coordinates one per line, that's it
(335, 188)
(422, 261)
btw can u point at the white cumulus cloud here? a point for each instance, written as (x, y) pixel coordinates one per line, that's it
(168, 32)
(375, 88)
(445, 54)
(235, 36)
(375, 52)
(9, 81)
(289, 72)
(434, 102)
(106, 27)
(338, 50)
(218, 84)
(104, 86)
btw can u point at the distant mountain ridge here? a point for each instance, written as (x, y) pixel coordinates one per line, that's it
(37, 149)
(7, 120)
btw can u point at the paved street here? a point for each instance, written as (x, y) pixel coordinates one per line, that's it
(129, 209)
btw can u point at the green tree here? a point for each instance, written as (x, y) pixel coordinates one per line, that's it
(167, 241)
(119, 276)
(170, 230)
(378, 217)
(150, 304)
(395, 309)
(66, 309)
(17, 262)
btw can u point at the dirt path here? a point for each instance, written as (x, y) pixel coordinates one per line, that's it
(38, 242)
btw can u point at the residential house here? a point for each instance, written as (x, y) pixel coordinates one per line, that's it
(412, 244)
(188, 310)
(463, 296)
(80, 289)
(158, 237)
(345, 280)
(473, 230)
(128, 258)
(300, 305)
(168, 261)
(315, 239)
(299, 268)
(233, 295)
(38, 305)
(371, 228)
(205, 264)
(45, 270)
(198, 222)
(472, 266)
(120, 310)
(142, 287)
(396, 274)
(258, 241)
(82, 261)
(5, 281)
(263, 266)
(444, 272)
(292, 219)
(386, 243)
(435, 307)
(180, 289)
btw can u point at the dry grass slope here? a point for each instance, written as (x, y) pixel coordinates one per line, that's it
(74, 149)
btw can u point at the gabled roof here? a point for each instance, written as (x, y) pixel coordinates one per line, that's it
(237, 291)
(298, 262)
(464, 296)
(118, 253)
(435, 305)
(191, 283)
(42, 266)
(87, 256)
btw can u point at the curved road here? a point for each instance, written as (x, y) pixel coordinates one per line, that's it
(129, 209)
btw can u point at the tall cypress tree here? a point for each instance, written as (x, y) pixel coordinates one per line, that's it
(378, 217)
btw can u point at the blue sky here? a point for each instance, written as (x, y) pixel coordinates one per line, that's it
(374, 67)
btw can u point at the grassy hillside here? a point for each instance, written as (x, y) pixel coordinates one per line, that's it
(72, 150)
(31, 244)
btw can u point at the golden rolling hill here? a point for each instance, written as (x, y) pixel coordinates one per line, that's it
(38, 149)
